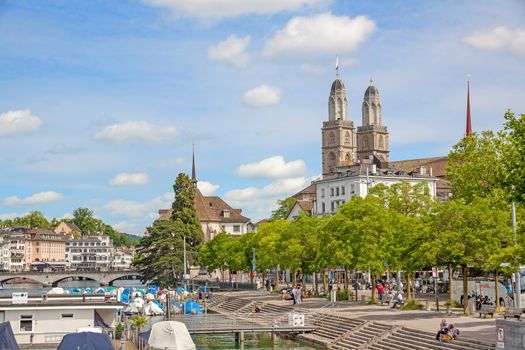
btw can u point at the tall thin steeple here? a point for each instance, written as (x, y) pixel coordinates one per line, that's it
(469, 125)
(193, 174)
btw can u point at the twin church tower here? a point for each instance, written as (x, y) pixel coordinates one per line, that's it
(342, 144)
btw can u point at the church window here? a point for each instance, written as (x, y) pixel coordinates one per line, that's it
(332, 138)
(322, 193)
(380, 142)
(347, 138)
(366, 142)
(339, 109)
(342, 191)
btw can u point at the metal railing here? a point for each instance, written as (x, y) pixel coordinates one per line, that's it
(249, 322)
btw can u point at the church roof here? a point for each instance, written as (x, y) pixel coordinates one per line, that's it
(337, 85)
(371, 91)
(211, 209)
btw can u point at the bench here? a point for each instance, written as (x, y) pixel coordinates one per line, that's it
(487, 310)
(513, 312)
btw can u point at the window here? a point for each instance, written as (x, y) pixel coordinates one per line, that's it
(323, 210)
(347, 137)
(352, 188)
(337, 191)
(342, 190)
(67, 315)
(331, 191)
(332, 138)
(26, 323)
(332, 207)
(322, 192)
(226, 213)
(236, 228)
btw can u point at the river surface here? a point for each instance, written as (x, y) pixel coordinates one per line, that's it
(37, 289)
(257, 341)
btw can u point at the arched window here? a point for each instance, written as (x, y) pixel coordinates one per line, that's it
(347, 137)
(332, 139)
(331, 108)
(331, 163)
(339, 109)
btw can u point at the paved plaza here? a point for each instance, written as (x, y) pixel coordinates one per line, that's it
(471, 326)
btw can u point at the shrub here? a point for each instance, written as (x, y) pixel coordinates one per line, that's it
(412, 305)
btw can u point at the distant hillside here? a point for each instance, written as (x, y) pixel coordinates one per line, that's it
(132, 237)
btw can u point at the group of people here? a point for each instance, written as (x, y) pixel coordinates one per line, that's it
(446, 331)
(397, 296)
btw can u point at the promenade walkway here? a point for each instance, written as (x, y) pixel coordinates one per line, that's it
(427, 321)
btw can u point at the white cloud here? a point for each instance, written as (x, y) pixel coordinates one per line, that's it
(18, 122)
(9, 216)
(318, 35)
(261, 201)
(261, 96)
(130, 179)
(231, 50)
(272, 168)
(62, 148)
(139, 210)
(66, 216)
(37, 198)
(136, 131)
(500, 38)
(218, 9)
(207, 188)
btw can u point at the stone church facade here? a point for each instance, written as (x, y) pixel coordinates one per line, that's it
(342, 143)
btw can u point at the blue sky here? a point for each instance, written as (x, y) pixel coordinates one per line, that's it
(100, 101)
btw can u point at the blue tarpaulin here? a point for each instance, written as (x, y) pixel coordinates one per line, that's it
(7, 338)
(85, 341)
(192, 305)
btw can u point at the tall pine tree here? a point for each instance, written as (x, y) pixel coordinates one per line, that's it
(159, 256)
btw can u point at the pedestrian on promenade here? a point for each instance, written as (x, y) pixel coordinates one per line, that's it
(298, 295)
(380, 291)
(293, 293)
(398, 300)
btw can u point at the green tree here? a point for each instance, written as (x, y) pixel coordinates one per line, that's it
(32, 219)
(467, 234)
(285, 205)
(159, 255)
(185, 215)
(513, 159)
(85, 221)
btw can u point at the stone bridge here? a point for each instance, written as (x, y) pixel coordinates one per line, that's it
(52, 278)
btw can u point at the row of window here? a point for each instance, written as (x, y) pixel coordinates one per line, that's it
(333, 206)
(337, 191)
(86, 244)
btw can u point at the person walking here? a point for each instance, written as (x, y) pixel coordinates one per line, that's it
(298, 295)
(380, 291)
(294, 296)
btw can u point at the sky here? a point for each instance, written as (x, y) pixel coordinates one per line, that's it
(100, 101)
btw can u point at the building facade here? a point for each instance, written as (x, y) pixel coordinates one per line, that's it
(89, 253)
(122, 258)
(44, 246)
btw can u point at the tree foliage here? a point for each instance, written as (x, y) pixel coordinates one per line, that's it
(284, 207)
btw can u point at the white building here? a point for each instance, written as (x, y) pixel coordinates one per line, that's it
(122, 258)
(46, 322)
(356, 180)
(89, 253)
(13, 251)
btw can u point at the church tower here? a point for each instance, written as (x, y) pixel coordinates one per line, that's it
(338, 133)
(372, 136)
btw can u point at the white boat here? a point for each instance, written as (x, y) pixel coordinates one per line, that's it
(170, 335)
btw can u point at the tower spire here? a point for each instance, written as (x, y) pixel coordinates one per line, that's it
(337, 66)
(193, 175)
(469, 125)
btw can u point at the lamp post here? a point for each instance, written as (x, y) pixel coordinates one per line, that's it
(517, 286)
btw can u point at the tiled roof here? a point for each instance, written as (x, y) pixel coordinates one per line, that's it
(73, 227)
(438, 165)
(211, 209)
(306, 206)
(311, 189)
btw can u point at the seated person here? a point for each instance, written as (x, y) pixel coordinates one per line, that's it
(443, 329)
(453, 332)
(398, 300)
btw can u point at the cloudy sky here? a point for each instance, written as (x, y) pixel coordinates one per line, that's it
(100, 100)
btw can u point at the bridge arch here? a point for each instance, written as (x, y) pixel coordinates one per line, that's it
(125, 276)
(54, 283)
(24, 278)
